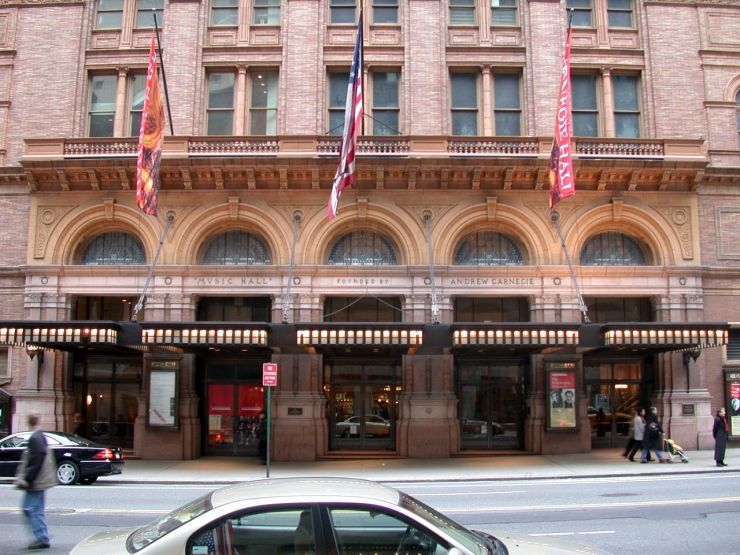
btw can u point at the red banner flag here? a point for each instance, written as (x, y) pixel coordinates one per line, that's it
(353, 113)
(151, 136)
(562, 174)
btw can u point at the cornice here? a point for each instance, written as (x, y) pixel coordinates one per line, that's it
(697, 3)
(27, 3)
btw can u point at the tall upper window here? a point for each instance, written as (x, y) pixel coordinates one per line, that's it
(337, 99)
(619, 13)
(464, 92)
(342, 11)
(109, 14)
(102, 105)
(613, 249)
(145, 15)
(224, 12)
(137, 85)
(585, 106)
(503, 12)
(582, 12)
(113, 248)
(220, 113)
(385, 103)
(462, 12)
(385, 11)
(266, 12)
(263, 109)
(507, 104)
(361, 248)
(236, 247)
(626, 106)
(488, 248)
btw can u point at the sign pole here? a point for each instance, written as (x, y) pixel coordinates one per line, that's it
(269, 404)
(269, 380)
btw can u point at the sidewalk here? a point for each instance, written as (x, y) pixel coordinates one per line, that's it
(599, 463)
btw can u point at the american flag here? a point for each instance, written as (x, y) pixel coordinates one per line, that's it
(562, 173)
(353, 114)
(151, 136)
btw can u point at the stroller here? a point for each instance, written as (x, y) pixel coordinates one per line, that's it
(673, 449)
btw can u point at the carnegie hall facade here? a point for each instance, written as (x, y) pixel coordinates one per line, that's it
(445, 310)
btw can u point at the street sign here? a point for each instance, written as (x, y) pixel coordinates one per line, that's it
(269, 374)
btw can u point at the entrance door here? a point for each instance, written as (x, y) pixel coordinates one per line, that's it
(491, 404)
(362, 407)
(233, 412)
(491, 416)
(610, 412)
(614, 394)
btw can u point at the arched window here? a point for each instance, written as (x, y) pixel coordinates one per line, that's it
(613, 249)
(361, 248)
(488, 248)
(236, 247)
(114, 248)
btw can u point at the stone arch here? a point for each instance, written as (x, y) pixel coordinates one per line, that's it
(395, 225)
(79, 227)
(509, 220)
(200, 226)
(661, 244)
(732, 89)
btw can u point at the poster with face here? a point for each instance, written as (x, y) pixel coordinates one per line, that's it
(733, 411)
(562, 399)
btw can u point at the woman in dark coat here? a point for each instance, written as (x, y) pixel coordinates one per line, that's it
(719, 431)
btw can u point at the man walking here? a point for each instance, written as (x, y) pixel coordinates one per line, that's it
(36, 473)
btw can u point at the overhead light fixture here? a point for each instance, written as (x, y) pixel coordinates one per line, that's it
(33, 350)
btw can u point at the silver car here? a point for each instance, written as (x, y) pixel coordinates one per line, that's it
(317, 516)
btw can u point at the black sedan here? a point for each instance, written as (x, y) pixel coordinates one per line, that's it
(78, 459)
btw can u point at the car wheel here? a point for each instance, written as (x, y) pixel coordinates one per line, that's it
(67, 473)
(88, 480)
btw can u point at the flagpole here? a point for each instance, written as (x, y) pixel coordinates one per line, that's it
(362, 66)
(555, 169)
(164, 75)
(140, 303)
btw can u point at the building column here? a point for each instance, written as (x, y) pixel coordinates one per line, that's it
(241, 101)
(47, 388)
(299, 425)
(487, 102)
(606, 81)
(683, 401)
(119, 118)
(427, 424)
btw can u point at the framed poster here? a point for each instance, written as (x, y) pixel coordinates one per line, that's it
(561, 395)
(732, 392)
(162, 409)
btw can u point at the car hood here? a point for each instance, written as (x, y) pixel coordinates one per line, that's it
(110, 542)
(531, 545)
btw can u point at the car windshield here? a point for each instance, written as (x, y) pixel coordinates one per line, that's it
(470, 540)
(167, 523)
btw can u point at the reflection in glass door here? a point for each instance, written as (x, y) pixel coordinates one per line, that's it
(614, 394)
(233, 413)
(491, 407)
(362, 413)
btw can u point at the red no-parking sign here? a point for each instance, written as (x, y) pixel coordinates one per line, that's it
(269, 374)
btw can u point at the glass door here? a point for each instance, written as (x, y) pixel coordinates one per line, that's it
(362, 413)
(491, 416)
(614, 394)
(233, 413)
(491, 405)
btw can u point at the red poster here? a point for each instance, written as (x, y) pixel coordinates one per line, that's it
(562, 380)
(221, 399)
(250, 400)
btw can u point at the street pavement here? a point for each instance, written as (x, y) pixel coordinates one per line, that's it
(598, 463)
